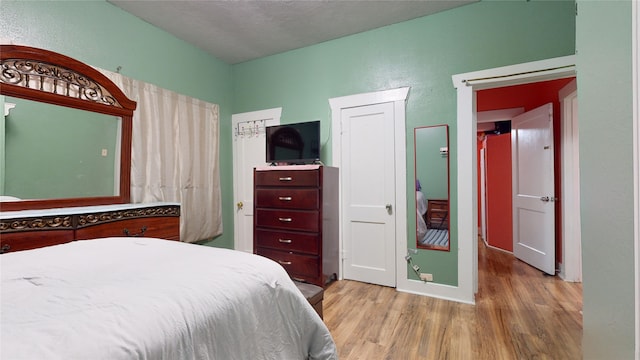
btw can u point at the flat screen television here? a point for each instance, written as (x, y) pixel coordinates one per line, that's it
(290, 144)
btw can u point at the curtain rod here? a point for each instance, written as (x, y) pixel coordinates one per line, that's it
(554, 70)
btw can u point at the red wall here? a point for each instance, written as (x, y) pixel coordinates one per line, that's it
(529, 97)
(499, 198)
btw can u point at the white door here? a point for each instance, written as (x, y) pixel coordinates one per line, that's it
(533, 188)
(368, 193)
(249, 151)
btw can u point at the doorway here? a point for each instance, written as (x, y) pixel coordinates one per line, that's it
(495, 110)
(467, 86)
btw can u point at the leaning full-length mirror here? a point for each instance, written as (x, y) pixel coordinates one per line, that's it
(431, 146)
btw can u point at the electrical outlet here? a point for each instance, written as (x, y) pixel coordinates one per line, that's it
(426, 277)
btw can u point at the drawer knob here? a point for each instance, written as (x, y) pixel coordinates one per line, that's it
(5, 248)
(285, 241)
(285, 219)
(141, 233)
(286, 178)
(284, 262)
(284, 198)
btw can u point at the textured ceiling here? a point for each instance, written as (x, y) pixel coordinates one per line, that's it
(235, 31)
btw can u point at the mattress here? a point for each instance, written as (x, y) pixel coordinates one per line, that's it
(145, 298)
(439, 237)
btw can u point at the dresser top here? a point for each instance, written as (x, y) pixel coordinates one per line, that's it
(289, 167)
(4, 215)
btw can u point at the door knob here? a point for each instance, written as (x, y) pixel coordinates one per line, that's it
(240, 205)
(389, 208)
(545, 199)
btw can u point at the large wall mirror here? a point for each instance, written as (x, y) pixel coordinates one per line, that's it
(65, 138)
(431, 146)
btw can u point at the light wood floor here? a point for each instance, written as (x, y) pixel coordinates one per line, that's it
(519, 314)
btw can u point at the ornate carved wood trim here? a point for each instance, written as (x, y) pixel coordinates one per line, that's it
(42, 73)
(85, 220)
(54, 79)
(37, 223)
(78, 221)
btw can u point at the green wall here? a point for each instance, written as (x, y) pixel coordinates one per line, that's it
(421, 53)
(56, 152)
(102, 35)
(603, 38)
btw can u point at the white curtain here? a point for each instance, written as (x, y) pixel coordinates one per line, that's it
(174, 155)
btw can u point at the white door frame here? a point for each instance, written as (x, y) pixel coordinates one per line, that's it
(398, 97)
(466, 85)
(271, 116)
(571, 267)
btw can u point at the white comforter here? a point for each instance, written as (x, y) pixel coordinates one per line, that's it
(142, 298)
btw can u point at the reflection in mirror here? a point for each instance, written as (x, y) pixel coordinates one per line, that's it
(53, 152)
(431, 146)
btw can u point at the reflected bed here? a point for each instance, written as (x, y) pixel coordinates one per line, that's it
(436, 237)
(146, 298)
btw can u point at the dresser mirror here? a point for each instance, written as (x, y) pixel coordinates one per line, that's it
(65, 134)
(431, 147)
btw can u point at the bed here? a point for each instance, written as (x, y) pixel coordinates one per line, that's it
(72, 288)
(146, 298)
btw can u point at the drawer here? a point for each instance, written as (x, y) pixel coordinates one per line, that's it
(308, 199)
(287, 219)
(34, 239)
(437, 204)
(287, 178)
(288, 241)
(163, 227)
(294, 264)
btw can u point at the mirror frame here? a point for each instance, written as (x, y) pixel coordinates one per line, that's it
(415, 159)
(45, 76)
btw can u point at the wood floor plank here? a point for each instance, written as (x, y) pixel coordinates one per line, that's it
(520, 313)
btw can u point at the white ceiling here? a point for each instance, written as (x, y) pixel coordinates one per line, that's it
(235, 31)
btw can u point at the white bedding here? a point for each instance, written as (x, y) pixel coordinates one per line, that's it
(142, 298)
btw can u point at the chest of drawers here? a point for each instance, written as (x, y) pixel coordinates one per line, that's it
(296, 220)
(437, 216)
(24, 230)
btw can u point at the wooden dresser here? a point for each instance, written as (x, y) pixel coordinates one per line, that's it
(437, 216)
(30, 229)
(296, 220)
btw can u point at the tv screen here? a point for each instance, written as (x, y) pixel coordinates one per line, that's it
(297, 143)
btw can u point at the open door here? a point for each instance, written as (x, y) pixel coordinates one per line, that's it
(533, 188)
